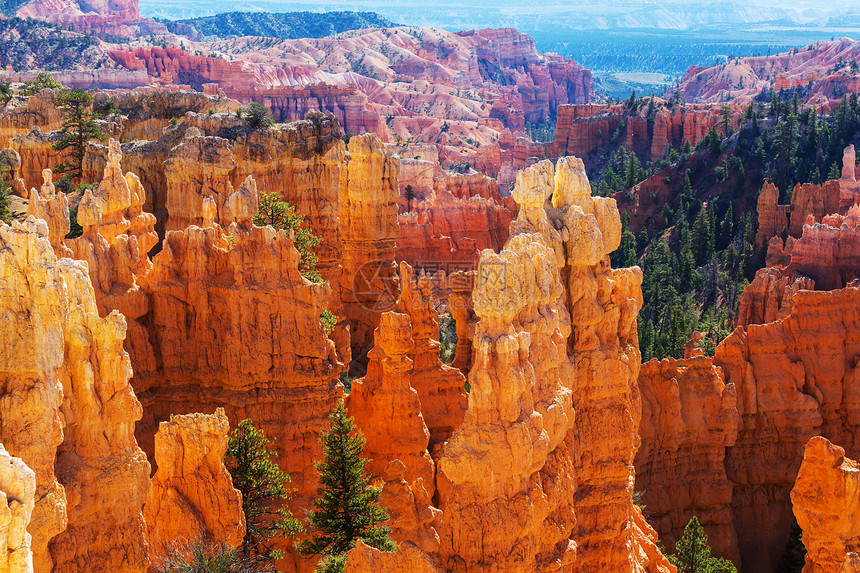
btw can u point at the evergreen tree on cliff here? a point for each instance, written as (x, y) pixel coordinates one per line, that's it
(78, 128)
(347, 510)
(692, 554)
(5, 190)
(265, 488)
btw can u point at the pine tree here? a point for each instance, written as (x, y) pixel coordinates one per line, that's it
(726, 122)
(786, 149)
(727, 227)
(692, 554)
(5, 190)
(794, 556)
(703, 238)
(347, 510)
(625, 255)
(78, 128)
(277, 213)
(43, 80)
(257, 116)
(410, 195)
(264, 488)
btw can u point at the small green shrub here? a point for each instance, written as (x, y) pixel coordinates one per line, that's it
(257, 116)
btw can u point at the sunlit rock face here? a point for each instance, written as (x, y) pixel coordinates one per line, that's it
(72, 410)
(538, 475)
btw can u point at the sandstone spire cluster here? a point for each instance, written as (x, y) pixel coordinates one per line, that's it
(67, 376)
(542, 379)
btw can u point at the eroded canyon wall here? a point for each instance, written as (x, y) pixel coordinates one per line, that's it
(689, 418)
(792, 368)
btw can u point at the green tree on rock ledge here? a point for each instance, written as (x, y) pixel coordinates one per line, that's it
(348, 508)
(78, 128)
(265, 489)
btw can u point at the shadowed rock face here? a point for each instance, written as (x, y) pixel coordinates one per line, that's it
(689, 419)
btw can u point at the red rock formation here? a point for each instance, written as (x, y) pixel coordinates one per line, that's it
(742, 79)
(191, 496)
(461, 285)
(413, 517)
(517, 390)
(52, 206)
(118, 17)
(387, 409)
(779, 252)
(449, 233)
(604, 350)
(772, 220)
(31, 361)
(37, 110)
(117, 234)
(36, 151)
(369, 278)
(583, 130)
(770, 296)
(826, 502)
(692, 348)
(233, 324)
(440, 387)
(98, 463)
(816, 200)
(794, 378)
(828, 251)
(533, 359)
(413, 76)
(104, 473)
(408, 559)
(580, 129)
(689, 419)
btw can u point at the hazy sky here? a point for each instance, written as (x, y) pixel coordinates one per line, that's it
(595, 14)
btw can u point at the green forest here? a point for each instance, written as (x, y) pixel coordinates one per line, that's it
(697, 254)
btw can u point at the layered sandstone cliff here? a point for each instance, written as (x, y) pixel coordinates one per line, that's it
(689, 419)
